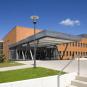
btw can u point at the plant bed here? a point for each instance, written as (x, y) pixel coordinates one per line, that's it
(28, 73)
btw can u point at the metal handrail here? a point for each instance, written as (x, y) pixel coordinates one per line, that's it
(59, 74)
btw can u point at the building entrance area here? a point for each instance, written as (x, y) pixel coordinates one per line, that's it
(42, 53)
(46, 43)
(46, 53)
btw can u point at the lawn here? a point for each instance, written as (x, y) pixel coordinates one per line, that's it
(28, 73)
(8, 64)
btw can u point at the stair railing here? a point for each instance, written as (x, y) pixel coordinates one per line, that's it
(59, 74)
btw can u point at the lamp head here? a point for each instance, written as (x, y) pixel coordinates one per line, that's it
(34, 18)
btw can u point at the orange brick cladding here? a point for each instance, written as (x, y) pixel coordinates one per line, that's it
(75, 48)
(16, 34)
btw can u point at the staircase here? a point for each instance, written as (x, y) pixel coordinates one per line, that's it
(80, 81)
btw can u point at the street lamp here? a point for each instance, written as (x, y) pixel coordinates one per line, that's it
(34, 20)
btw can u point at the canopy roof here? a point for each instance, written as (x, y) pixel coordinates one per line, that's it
(48, 38)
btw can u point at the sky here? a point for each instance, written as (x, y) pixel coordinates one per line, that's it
(67, 16)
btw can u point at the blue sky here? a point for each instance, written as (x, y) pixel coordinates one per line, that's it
(69, 16)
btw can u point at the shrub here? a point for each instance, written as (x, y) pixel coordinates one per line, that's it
(2, 58)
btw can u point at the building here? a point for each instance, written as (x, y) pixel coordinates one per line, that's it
(19, 44)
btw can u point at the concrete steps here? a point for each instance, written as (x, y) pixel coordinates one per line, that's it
(71, 86)
(79, 81)
(81, 78)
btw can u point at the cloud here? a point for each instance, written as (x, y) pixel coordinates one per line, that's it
(69, 22)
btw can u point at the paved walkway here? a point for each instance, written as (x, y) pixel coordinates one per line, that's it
(53, 64)
(17, 67)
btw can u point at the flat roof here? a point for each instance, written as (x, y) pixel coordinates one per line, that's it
(48, 37)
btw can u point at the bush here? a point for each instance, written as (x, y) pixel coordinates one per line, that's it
(2, 58)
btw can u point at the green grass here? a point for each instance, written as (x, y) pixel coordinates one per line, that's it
(8, 64)
(28, 73)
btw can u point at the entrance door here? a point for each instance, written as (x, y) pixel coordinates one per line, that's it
(45, 53)
(50, 53)
(41, 53)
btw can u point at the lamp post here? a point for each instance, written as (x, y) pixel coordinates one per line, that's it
(34, 20)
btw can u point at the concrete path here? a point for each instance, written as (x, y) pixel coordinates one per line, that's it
(17, 67)
(53, 64)
(59, 64)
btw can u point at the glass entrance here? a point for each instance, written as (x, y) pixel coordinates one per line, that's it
(46, 53)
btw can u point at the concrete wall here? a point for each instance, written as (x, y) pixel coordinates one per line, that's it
(51, 81)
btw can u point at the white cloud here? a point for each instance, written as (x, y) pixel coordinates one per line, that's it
(69, 22)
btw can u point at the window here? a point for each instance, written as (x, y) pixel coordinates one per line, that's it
(81, 44)
(76, 52)
(84, 45)
(76, 44)
(83, 53)
(73, 54)
(66, 53)
(73, 44)
(70, 53)
(70, 44)
(79, 53)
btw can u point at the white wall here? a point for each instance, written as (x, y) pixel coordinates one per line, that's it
(50, 81)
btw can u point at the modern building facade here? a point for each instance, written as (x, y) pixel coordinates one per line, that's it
(19, 45)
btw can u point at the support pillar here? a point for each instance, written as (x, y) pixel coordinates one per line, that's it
(23, 55)
(31, 54)
(54, 53)
(17, 56)
(32, 57)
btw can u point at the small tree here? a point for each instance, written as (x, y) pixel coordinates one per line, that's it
(2, 57)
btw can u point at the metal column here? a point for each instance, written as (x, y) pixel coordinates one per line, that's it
(30, 51)
(23, 55)
(31, 54)
(17, 56)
